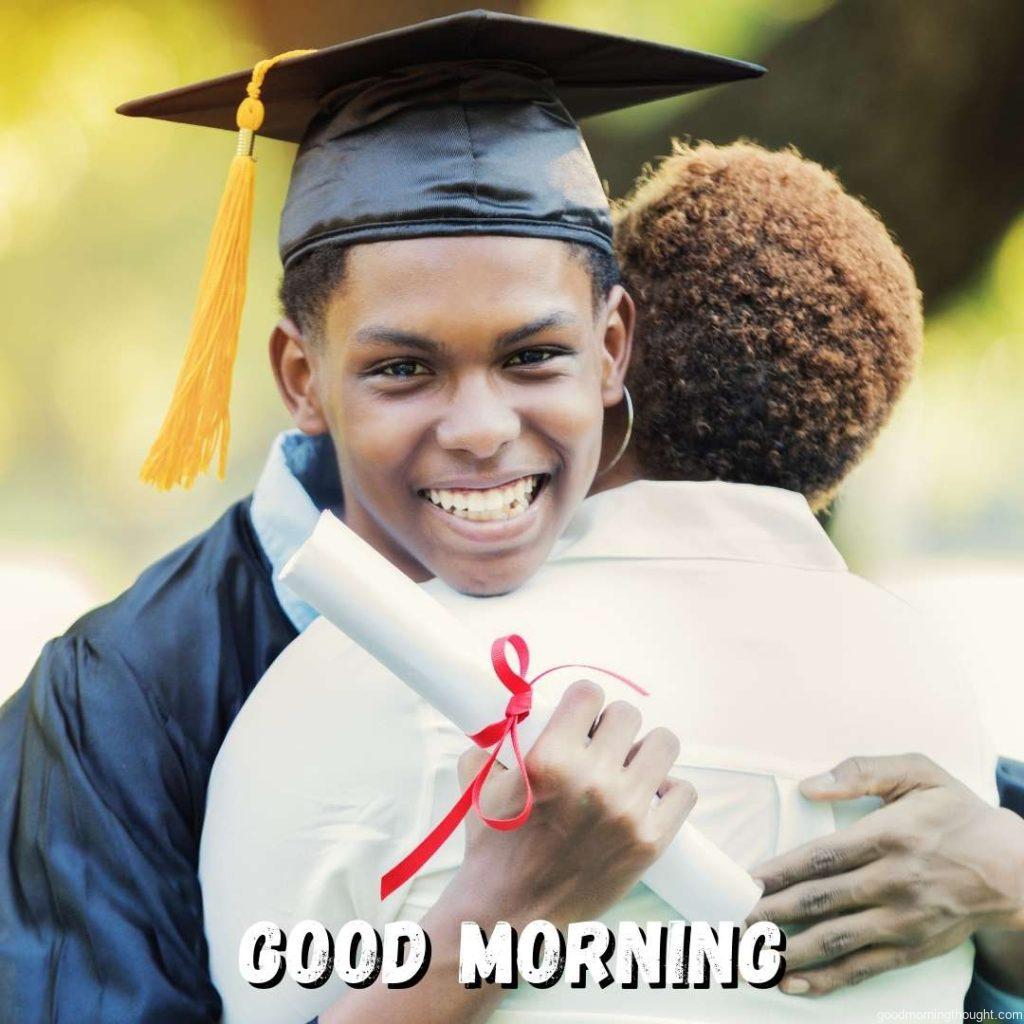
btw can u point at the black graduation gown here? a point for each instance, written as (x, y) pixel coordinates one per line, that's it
(1010, 780)
(105, 754)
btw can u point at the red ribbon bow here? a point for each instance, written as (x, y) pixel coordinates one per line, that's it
(493, 735)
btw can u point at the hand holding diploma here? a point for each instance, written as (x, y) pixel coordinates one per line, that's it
(591, 819)
(415, 637)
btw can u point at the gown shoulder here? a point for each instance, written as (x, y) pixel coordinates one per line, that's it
(105, 753)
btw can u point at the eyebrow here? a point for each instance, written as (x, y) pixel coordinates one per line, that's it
(380, 335)
(527, 330)
(377, 335)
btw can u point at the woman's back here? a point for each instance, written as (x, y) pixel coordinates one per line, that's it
(767, 658)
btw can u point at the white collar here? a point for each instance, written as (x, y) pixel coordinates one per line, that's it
(706, 519)
(299, 480)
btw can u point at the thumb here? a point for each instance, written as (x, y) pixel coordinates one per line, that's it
(888, 777)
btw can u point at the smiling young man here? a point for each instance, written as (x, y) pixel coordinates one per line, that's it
(446, 159)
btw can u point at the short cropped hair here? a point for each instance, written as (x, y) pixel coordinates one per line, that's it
(307, 284)
(778, 322)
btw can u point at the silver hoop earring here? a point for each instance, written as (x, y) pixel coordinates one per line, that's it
(629, 431)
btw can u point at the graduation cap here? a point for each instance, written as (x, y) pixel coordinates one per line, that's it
(460, 125)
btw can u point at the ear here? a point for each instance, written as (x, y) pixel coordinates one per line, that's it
(620, 319)
(295, 364)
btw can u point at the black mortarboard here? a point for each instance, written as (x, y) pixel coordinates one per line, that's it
(461, 125)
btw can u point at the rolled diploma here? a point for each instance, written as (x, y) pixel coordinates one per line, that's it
(425, 646)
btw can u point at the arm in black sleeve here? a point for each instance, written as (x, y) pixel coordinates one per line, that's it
(983, 995)
(1010, 782)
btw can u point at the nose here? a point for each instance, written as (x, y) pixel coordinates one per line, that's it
(478, 420)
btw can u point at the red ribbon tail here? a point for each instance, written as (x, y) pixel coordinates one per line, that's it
(592, 668)
(439, 835)
(409, 865)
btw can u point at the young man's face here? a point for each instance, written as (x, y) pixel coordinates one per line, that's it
(463, 381)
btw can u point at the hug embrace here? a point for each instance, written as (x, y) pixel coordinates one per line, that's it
(607, 430)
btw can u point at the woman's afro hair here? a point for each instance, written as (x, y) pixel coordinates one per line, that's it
(778, 321)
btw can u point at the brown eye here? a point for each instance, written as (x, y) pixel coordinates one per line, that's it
(532, 357)
(403, 368)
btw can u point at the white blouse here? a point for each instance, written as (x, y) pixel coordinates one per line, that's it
(764, 654)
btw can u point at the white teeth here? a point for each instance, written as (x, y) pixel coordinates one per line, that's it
(480, 504)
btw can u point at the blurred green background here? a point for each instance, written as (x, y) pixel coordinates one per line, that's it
(104, 220)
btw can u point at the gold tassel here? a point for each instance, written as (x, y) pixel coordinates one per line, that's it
(198, 421)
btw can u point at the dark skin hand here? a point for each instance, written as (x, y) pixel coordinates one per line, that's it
(909, 881)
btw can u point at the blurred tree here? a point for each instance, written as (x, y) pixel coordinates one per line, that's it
(283, 26)
(916, 105)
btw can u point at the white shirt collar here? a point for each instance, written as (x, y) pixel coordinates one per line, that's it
(645, 519)
(705, 519)
(299, 480)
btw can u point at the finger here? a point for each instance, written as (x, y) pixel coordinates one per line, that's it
(888, 777)
(652, 758)
(571, 721)
(678, 798)
(615, 732)
(850, 970)
(840, 936)
(810, 901)
(842, 851)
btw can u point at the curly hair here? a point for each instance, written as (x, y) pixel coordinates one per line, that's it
(778, 322)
